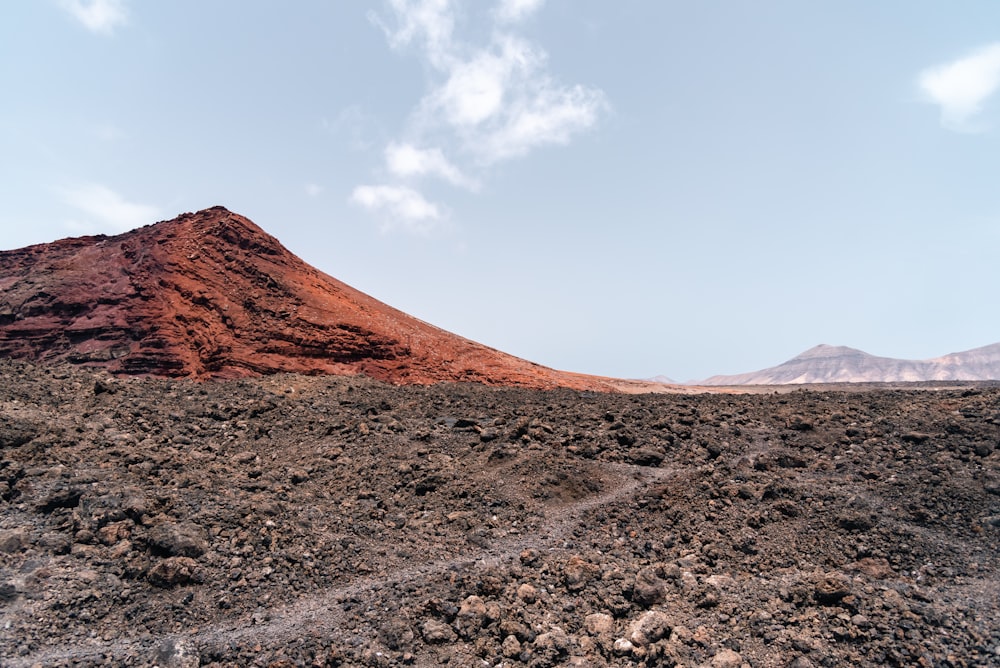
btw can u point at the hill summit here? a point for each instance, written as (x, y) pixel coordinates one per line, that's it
(211, 295)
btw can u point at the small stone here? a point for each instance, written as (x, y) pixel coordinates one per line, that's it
(652, 626)
(649, 588)
(527, 593)
(580, 662)
(8, 592)
(120, 550)
(115, 532)
(12, 540)
(802, 642)
(510, 647)
(510, 627)
(623, 647)
(578, 572)
(396, 634)
(178, 540)
(56, 541)
(727, 658)
(599, 624)
(176, 654)
(831, 588)
(105, 385)
(245, 457)
(530, 556)
(435, 632)
(472, 608)
(554, 642)
(84, 536)
(647, 456)
(68, 497)
(709, 600)
(175, 571)
(682, 635)
(875, 568)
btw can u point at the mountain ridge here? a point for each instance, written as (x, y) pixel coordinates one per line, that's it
(842, 364)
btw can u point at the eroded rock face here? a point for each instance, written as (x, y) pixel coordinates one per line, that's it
(211, 295)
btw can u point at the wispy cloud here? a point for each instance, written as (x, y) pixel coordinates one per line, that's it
(510, 11)
(100, 16)
(313, 189)
(401, 206)
(406, 160)
(961, 88)
(108, 211)
(486, 102)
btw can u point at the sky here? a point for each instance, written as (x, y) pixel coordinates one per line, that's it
(629, 189)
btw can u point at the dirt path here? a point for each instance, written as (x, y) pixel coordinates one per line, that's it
(322, 614)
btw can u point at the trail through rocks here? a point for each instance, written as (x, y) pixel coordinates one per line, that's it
(321, 613)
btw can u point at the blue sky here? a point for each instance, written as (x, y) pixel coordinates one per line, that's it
(628, 189)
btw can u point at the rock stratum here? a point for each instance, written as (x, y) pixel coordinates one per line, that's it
(840, 364)
(211, 295)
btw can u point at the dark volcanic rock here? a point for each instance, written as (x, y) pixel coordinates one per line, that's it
(174, 571)
(177, 540)
(331, 521)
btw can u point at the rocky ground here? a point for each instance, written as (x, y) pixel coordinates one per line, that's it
(302, 521)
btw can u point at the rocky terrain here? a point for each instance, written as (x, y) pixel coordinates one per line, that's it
(211, 295)
(840, 364)
(341, 521)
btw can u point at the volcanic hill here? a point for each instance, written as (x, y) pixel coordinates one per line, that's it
(211, 295)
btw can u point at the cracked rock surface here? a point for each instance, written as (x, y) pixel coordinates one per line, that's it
(324, 521)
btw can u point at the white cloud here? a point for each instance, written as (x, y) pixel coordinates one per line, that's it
(486, 102)
(511, 11)
(481, 87)
(404, 206)
(486, 95)
(110, 212)
(431, 21)
(100, 16)
(474, 90)
(551, 116)
(406, 160)
(961, 87)
(313, 189)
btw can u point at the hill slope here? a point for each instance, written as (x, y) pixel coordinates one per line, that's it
(211, 295)
(840, 364)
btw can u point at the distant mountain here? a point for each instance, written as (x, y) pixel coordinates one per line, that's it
(840, 364)
(211, 295)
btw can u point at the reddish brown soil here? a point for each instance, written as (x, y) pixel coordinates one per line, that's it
(211, 295)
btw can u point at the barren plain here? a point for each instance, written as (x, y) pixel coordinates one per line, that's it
(339, 521)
